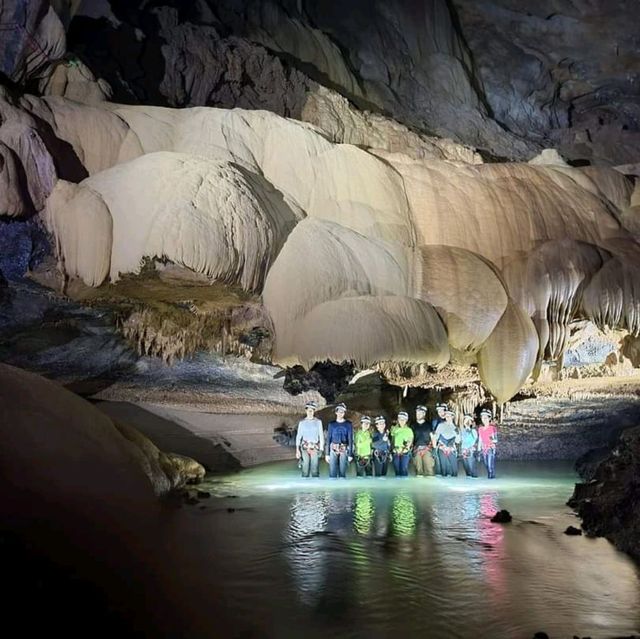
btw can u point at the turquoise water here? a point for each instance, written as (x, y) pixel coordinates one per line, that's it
(293, 557)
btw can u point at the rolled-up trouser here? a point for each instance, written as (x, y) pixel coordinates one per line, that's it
(380, 465)
(489, 458)
(469, 464)
(423, 461)
(338, 462)
(448, 463)
(401, 464)
(363, 468)
(310, 462)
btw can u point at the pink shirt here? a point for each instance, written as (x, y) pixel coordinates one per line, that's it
(485, 433)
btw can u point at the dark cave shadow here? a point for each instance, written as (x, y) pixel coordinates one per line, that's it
(171, 437)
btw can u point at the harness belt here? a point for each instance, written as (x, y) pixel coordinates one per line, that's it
(310, 447)
(338, 448)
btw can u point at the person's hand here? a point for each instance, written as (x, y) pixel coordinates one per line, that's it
(327, 458)
(297, 454)
(350, 459)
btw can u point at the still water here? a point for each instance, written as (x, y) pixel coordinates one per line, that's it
(409, 557)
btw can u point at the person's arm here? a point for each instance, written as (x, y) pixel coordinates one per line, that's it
(494, 435)
(320, 436)
(298, 436)
(350, 429)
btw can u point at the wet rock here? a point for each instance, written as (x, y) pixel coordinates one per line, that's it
(572, 530)
(609, 504)
(541, 635)
(231, 510)
(501, 517)
(203, 494)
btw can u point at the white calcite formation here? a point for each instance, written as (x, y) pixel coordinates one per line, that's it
(369, 255)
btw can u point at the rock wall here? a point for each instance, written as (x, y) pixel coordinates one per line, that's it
(609, 503)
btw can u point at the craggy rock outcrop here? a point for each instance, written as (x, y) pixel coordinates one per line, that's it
(55, 442)
(500, 75)
(609, 504)
(561, 72)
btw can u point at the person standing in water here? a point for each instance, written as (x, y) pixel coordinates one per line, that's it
(422, 455)
(469, 445)
(381, 447)
(488, 441)
(362, 441)
(446, 439)
(339, 443)
(309, 441)
(435, 422)
(401, 442)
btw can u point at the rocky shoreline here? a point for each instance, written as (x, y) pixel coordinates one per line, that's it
(608, 501)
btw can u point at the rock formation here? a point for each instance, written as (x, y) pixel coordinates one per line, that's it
(608, 501)
(79, 453)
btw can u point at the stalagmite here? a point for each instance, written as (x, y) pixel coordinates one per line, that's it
(506, 359)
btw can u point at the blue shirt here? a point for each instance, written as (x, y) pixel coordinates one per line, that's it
(340, 433)
(379, 443)
(469, 437)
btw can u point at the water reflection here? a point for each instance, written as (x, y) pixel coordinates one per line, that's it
(375, 557)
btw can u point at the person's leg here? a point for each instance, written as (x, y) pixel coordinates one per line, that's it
(485, 460)
(305, 462)
(453, 463)
(406, 459)
(359, 468)
(465, 465)
(492, 464)
(385, 466)
(418, 462)
(368, 469)
(471, 463)
(315, 463)
(343, 464)
(444, 463)
(428, 464)
(333, 464)
(396, 464)
(436, 462)
(377, 466)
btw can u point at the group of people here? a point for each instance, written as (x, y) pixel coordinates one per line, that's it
(435, 447)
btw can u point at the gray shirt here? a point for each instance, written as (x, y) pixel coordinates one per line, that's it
(310, 430)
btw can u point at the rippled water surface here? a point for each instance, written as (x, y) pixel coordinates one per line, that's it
(391, 557)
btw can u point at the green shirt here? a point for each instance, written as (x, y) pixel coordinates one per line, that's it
(401, 434)
(362, 443)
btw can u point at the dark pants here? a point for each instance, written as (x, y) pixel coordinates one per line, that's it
(448, 463)
(489, 457)
(437, 469)
(338, 462)
(469, 464)
(380, 465)
(423, 461)
(363, 466)
(310, 459)
(401, 464)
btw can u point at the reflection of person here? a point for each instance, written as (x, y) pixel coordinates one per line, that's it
(469, 445)
(403, 516)
(447, 437)
(309, 441)
(422, 456)
(339, 443)
(401, 441)
(488, 440)
(381, 447)
(438, 419)
(362, 445)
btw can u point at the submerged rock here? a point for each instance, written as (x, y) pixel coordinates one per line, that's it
(572, 530)
(501, 517)
(609, 504)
